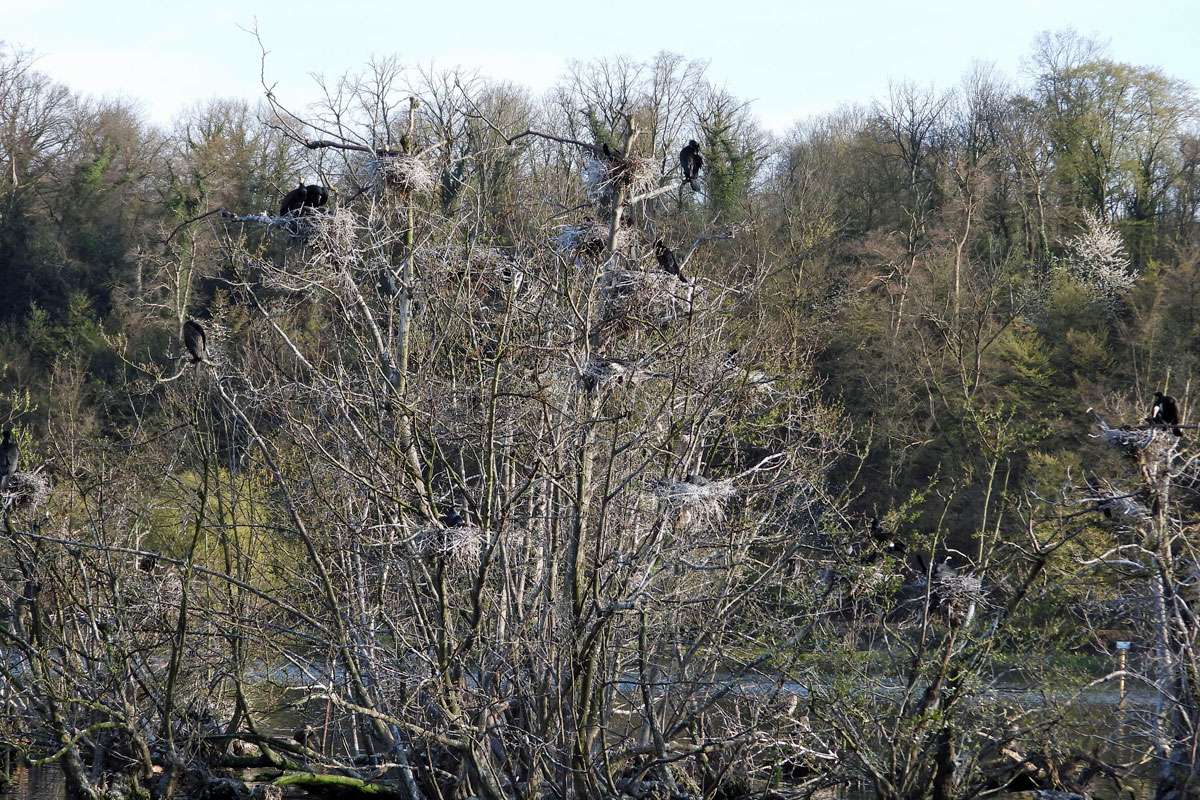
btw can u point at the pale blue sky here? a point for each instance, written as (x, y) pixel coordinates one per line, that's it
(791, 58)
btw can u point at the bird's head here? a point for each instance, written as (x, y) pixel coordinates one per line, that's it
(692, 143)
(1158, 395)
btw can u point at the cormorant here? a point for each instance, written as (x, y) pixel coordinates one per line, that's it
(294, 200)
(9, 456)
(666, 259)
(690, 161)
(1165, 412)
(452, 519)
(193, 340)
(315, 196)
(387, 284)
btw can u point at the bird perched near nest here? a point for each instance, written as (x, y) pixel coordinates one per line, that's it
(193, 340)
(452, 519)
(9, 457)
(666, 259)
(1165, 412)
(294, 200)
(690, 161)
(315, 196)
(310, 196)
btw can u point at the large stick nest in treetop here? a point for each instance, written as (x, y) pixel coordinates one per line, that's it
(602, 178)
(588, 239)
(600, 372)
(410, 174)
(1126, 437)
(656, 296)
(696, 503)
(459, 545)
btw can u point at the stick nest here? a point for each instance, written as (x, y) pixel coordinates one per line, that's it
(602, 179)
(459, 545)
(25, 490)
(659, 296)
(957, 593)
(409, 174)
(1125, 437)
(695, 502)
(589, 239)
(1123, 508)
(600, 372)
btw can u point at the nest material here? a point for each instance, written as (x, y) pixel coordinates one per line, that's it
(409, 174)
(589, 239)
(659, 296)
(299, 225)
(695, 502)
(1123, 508)
(602, 179)
(334, 233)
(958, 595)
(600, 372)
(25, 490)
(459, 545)
(1126, 438)
(493, 269)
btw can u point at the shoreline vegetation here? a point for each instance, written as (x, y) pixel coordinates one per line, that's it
(443, 442)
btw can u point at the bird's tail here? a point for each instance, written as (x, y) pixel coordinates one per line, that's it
(1177, 431)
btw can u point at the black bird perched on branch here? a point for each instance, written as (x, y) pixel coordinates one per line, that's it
(387, 284)
(9, 456)
(193, 340)
(294, 200)
(690, 161)
(1165, 412)
(666, 259)
(452, 519)
(315, 196)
